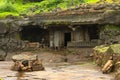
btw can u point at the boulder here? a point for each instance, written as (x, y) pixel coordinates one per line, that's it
(108, 66)
(108, 57)
(27, 62)
(117, 76)
(24, 56)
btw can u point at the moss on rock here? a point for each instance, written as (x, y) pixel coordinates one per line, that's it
(101, 49)
(115, 48)
(112, 27)
(104, 53)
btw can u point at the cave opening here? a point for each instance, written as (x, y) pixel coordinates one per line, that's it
(93, 31)
(35, 34)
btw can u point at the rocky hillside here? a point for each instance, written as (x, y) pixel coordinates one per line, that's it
(108, 58)
(30, 7)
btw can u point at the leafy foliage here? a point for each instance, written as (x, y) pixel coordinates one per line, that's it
(91, 1)
(29, 7)
(6, 6)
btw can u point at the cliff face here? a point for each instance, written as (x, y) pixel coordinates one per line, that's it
(8, 31)
(104, 54)
(84, 14)
(110, 34)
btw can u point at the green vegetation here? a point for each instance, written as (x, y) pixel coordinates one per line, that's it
(6, 6)
(1, 79)
(114, 48)
(92, 1)
(101, 49)
(111, 27)
(16, 7)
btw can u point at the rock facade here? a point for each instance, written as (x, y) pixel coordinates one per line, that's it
(26, 61)
(110, 35)
(8, 31)
(111, 54)
(84, 14)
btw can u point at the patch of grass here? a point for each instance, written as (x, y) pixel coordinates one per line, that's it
(92, 1)
(6, 6)
(3, 15)
(14, 7)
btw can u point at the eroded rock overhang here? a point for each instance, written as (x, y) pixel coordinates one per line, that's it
(84, 14)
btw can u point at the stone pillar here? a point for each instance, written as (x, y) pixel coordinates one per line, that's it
(51, 39)
(87, 38)
(56, 39)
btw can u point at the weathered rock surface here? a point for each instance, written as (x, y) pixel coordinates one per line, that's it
(3, 28)
(27, 62)
(2, 55)
(103, 54)
(110, 34)
(117, 76)
(8, 31)
(24, 56)
(84, 14)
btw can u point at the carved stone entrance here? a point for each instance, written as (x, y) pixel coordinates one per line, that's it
(35, 34)
(67, 38)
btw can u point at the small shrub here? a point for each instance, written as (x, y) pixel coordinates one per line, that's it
(6, 6)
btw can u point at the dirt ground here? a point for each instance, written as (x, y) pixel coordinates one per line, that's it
(76, 67)
(56, 56)
(56, 71)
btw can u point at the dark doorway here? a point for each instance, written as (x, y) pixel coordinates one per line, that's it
(67, 38)
(93, 32)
